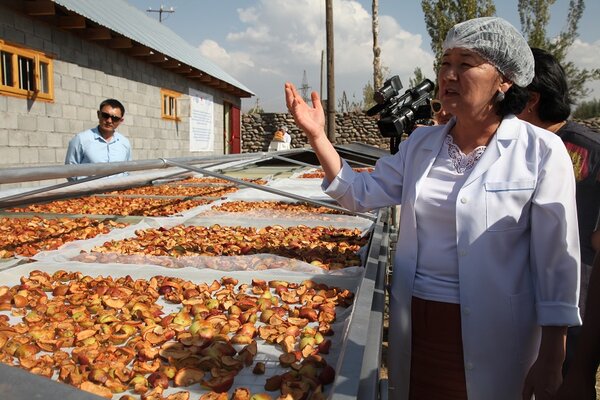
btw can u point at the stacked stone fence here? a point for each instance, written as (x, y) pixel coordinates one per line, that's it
(258, 130)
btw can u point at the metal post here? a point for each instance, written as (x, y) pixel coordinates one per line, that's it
(330, 72)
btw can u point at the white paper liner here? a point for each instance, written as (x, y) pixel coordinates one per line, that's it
(309, 188)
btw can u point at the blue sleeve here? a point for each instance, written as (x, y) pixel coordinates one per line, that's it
(129, 155)
(74, 151)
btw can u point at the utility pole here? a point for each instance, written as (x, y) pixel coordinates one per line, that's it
(160, 11)
(330, 72)
(321, 76)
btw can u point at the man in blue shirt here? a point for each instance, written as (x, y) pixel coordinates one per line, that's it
(102, 143)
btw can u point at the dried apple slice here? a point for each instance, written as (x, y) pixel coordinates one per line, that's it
(241, 394)
(188, 376)
(273, 383)
(184, 395)
(287, 359)
(96, 389)
(219, 384)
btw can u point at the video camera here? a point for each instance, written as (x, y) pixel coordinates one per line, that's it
(400, 112)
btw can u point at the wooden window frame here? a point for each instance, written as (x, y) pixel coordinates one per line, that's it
(164, 112)
(38, 59)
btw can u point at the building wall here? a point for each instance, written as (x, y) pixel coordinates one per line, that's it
(35, 133)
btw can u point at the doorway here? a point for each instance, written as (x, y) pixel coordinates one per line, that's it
(231, 129)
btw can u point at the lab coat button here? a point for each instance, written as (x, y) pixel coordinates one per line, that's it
(467, 311)
(462, 253)
(470, 365)
(463, 200)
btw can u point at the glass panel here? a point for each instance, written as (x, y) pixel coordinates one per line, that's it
(44, 82)
(6, 68)
(172, 107)
(26, 73)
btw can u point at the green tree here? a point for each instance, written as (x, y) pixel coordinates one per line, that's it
(587, 109)
(257, 109)
(441, 15)
(535, 16)
(368, 99)
(368, 91)
(417, 77)
(345, 105)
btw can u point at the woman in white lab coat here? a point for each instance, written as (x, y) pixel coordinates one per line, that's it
(485, 275)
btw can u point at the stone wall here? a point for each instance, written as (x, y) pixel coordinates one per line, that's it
(258, 130)
(592, 123)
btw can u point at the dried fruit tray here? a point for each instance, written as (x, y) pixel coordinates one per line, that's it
(113, 206)
(325, 247)
(27, 236)
(178, 190)
(139, 329)
(355, 352)
(320, 174)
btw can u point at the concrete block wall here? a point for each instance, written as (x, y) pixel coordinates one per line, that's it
(36, 133)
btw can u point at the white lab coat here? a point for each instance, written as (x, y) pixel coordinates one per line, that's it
(517, 242)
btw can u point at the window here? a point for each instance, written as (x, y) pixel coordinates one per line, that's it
(169, 104)
(25, 73)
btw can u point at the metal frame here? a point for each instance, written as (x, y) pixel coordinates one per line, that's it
(360, 361)
(101, 170)
(18, 384)
(362, 353)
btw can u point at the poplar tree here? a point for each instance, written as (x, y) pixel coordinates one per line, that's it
(377, 70)
(535, 16)
(441, 15)
(417, 77)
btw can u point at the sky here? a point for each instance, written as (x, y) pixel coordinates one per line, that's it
(265, 43)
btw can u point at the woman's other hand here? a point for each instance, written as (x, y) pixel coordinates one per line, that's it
(545, 375)
(542, 381)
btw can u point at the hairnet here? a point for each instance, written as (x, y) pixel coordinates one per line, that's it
(498, 42)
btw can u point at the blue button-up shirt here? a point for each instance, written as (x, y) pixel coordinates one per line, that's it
(90, 147)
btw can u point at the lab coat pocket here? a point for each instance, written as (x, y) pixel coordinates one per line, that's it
(507, 204)
(524, 324)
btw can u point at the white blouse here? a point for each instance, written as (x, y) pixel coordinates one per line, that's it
(437, 264)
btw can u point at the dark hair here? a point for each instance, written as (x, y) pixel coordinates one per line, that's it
(550, 81)
(114, 104)
(515, 100)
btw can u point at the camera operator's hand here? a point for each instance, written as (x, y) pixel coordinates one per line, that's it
(310, 119)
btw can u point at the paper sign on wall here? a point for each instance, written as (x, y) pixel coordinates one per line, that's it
(202, 135)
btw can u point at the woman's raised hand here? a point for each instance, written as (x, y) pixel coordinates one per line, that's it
(310, 119)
